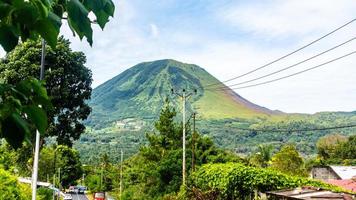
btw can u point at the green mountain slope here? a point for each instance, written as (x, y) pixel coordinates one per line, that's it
(124, 108)
(140, 91)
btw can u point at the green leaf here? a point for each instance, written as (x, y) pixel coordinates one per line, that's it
(49, 29)
(26, 14)
(99, 9)
(43, 10)
(79, 21)
(8, 39)
(4, 9)
(15, 130)
(38, 116)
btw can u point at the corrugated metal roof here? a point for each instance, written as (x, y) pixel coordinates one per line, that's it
(344, 172)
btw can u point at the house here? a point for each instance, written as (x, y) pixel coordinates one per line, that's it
(333, 172)
(342, 176)
(308, 193)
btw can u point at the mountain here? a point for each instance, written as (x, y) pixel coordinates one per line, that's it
(124, 108)
(140, 91)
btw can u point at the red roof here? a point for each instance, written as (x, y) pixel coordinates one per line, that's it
(346, 184)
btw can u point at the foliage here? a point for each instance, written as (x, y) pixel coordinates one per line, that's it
(29, 19)
(68, 84)
(236, 181)
(326, 145)
(288, 161)
(20, 111)
(346, 149)
(262, 157)
(10, 188)
(44, 193)
(155, 172)
(102, 176)
(61, 159)
(67, 160)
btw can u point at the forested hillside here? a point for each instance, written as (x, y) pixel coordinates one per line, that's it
(124, 108)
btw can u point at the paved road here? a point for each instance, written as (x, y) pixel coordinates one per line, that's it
(79, 197)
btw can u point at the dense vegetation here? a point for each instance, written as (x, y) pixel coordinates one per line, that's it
(236, 181)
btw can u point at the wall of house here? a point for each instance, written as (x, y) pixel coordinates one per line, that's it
(323, 173)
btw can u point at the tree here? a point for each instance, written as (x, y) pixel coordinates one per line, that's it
(156, 171)
(346, 149)
(263, 155)
(67, 80)
(67, 160)
(288, 161)
(10, 188)
(20, 111)
(326, 145)
(29, 19)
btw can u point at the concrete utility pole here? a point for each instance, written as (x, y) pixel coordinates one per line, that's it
(122, 159)
(184, 97)
(193, 144)
(37, 147)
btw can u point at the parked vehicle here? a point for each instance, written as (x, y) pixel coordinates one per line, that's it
(73, 190)
(99, 196)
(67, 197)
(81, 189)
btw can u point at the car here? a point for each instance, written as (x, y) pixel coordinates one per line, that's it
(81, 189)
(72, 190)
(67, 197)
(99, 196)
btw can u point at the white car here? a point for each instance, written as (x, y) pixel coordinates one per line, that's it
(67, 197)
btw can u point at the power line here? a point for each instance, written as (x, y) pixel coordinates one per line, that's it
(291, 66)
(284, 77)
(289, 54)
(299, 130)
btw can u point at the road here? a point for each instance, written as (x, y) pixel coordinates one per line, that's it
(79, 197)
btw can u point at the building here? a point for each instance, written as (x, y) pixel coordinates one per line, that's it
(308, 193)
(333, 172)
(342, 176)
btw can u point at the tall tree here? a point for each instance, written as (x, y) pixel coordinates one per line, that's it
(67, 80)
(288, 161)
(326, 145)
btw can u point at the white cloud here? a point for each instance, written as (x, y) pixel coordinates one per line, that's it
(154, 30)
(287, 18)
(269, 31)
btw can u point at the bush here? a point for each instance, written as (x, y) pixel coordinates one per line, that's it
(11, 189)
(234, 180)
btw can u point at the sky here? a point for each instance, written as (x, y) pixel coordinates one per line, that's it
(229, 38)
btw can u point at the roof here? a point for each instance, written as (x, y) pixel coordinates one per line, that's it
(344, 172)
(346, 184)
(309, 193)
(29, 181)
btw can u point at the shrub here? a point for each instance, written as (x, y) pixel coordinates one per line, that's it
(234, 180)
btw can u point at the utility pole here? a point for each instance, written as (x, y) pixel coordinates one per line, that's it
(59, 178)
(37, 147)
(54, 185)
(184, 97)
(122, 159)
(193, 144)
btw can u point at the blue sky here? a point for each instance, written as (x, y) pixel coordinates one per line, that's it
(228, 38)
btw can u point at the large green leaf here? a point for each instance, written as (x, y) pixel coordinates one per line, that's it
(8, 39)
(38, 116)
(79, 21)
(4, 9)
(14, 129)
(100, 9)
(43, 10)
(49, 28)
